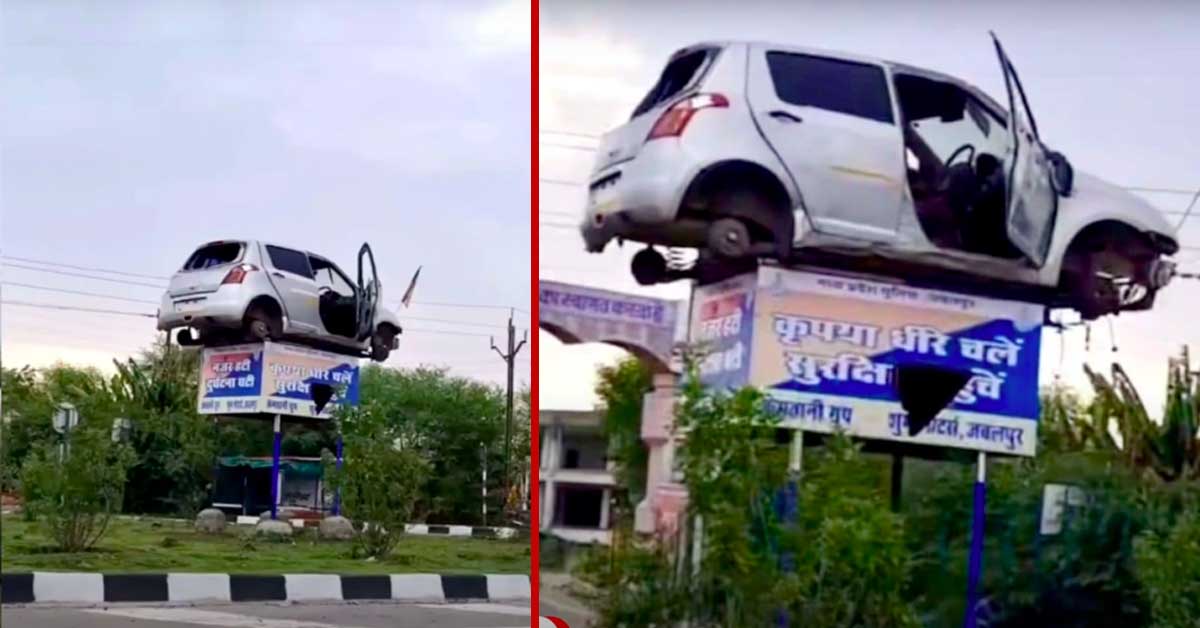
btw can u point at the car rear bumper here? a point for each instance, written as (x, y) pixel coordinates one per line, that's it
(636, 198)
(201, 311)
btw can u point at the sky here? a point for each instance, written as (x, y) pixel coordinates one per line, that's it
(1115, 91)
(134, 131)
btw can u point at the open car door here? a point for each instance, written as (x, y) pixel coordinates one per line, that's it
(367, 296)
(1031, 200)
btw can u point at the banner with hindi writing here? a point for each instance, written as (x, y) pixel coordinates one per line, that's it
(826, 348)
(648, 326)
(274, 378)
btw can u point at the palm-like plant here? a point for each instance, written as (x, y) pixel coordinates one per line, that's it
(1168, 451)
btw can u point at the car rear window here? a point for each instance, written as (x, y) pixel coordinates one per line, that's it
(855, 89)
(681, 72)
(290, 261)
(211, 255)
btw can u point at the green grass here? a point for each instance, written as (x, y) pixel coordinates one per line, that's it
(164, 545)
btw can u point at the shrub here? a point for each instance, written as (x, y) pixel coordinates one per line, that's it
(379, 486)
(1169, 571)
(74, 499)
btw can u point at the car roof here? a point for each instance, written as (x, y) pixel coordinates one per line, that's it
(895, 66)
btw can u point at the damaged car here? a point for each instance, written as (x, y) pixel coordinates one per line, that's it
(231, 291)
(749, 151)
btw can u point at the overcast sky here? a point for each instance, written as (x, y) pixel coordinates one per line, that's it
(132, 131)
(1114, 89)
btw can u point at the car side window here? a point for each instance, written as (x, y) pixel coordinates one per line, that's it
(327, 277)
(847, 87)
(290, 261)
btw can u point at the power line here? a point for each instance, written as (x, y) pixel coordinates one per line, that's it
(565, 182)
(1137, 188)
(588, 136)
(72, 308)
(81, 275)
(78, 292)
(447, 322)
(586, 149)
(486, 306)
(446, 332)
(88, 268)
(557, 225)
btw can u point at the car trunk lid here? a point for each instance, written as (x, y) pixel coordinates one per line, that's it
(206, 268)
(681, 76)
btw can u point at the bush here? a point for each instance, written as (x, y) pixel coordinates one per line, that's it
(1168, 566)
(74, 499)
(379, 484)
(851, 563)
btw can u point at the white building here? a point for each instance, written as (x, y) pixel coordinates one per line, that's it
(575, 477)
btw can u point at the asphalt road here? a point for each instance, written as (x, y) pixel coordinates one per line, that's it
(247, 615)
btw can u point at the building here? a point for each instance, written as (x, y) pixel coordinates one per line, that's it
(576, 479)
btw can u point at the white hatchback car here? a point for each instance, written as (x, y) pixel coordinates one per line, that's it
(749, 150)
(241, 290)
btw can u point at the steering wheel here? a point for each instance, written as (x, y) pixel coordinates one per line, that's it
(323, 290)
(958, 151)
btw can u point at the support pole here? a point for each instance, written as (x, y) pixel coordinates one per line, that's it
(975, 563)
(787, 506)
(897, 480)
(483, 470)
(337, 492)
(275, 482)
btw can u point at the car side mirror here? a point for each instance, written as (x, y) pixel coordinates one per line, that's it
(1061, 173)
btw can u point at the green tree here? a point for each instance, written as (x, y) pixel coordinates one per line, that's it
(622, 388)
(74, 499)
(449, 421)
(175, 445)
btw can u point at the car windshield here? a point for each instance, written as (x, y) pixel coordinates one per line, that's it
(216, 254)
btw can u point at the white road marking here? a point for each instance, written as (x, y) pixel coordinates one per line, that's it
(209, 618)
(200, 617)
(480, 607)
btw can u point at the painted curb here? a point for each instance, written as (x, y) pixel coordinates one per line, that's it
(94, 588)
(486, 532)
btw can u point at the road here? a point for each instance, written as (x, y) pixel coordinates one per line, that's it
(247, 615)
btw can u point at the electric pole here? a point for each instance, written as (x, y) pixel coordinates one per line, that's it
(509, 359)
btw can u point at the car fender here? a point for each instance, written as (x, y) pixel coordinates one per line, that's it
(1093, 201)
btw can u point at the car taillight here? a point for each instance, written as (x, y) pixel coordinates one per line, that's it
(238, 273)
(674, 120)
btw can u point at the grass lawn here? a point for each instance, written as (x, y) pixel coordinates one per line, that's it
(162, 545)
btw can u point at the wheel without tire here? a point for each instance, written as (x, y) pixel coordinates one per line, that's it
(649, 267)
(260, 325)
(381, 344)
(729, 237)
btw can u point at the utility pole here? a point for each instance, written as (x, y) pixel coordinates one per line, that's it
(509, 359)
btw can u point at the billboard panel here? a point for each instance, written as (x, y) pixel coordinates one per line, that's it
(274, 378)
(826, 350)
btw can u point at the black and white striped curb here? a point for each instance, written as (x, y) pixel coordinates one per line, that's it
(481, 532)
(95, 588)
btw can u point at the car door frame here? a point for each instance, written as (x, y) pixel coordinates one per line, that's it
(1029, 161)
(367, 294)
(819, 181)
(297, 294)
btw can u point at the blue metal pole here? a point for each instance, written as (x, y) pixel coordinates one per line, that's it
(337, 492)
(787, 509)
(975, 562)
(275, 468)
